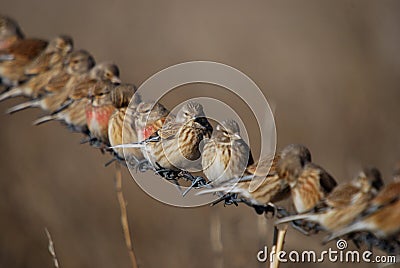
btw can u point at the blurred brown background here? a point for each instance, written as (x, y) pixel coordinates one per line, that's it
(330, 67)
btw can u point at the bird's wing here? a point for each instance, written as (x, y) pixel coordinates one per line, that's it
(326, 181)
(342, 195)
(169, 130)
(39, 65)
(58, 82)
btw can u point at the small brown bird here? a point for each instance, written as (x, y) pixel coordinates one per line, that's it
(344, 203)
(258, 188)
(121, 127)
(46, 66)
(98, 113)
(15, 57)
(262, 184)
(309, 182)
(176, 145)
(226, 155)
(60, 87)
(381, 217)
(149, 118)
(73, 109)
(54, 54)
(10, 32)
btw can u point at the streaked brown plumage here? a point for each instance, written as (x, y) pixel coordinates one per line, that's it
(73, 109)
(34, 87)
(381, 217)
(16, 57)
(344, 203)
(54, 54)
(266, 186)
(309, 182)
(262, 184)
(98, 112)
(176, 145)
(225, 155)
(46, 66)
(60, 87)
(149, 118)
(10, 32)
(121, 127)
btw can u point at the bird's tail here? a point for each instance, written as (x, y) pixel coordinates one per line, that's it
(349, 229)
(45, 119)
(23, 106)
(226, 188)
(14, 92)
(6, 57)
(305, 216)
(140, 144)
(129, 145)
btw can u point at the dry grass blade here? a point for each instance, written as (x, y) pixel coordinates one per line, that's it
(278, 245)
(216, 238)
(124, 215)
(51, 248)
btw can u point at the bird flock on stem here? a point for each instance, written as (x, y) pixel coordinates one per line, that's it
(89, 98)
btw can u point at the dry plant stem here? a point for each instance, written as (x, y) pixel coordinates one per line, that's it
(216, 238)
(51, 248)
(124, 215)
(279, 244)
(262, 232)
(273, 249)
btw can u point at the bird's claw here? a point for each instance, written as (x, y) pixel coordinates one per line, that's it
(229, 199)
(143, 166)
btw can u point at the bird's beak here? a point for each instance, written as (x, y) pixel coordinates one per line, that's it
(116, 80)
(237, 136)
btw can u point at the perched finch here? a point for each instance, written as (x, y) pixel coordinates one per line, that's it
(14, 59)
(225, 155)
(269, 187)
(176, 145)
(73, 109)
(98, 112)
(344, 203)
(54, 54)
(149, 118)
(309, 182)
(381, 217)
(261, 184)
(10, 32)
(121, 127)
(47, 65)
(60, 87)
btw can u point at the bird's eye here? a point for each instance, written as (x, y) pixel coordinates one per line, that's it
(186, 114)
